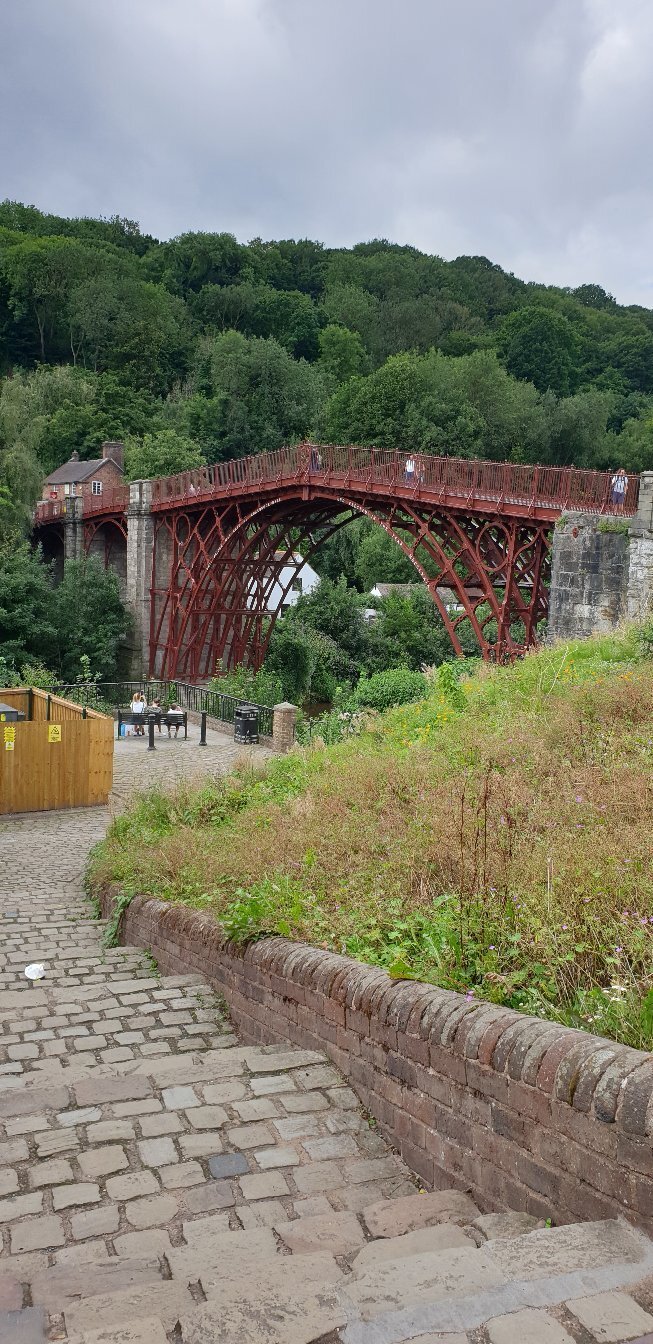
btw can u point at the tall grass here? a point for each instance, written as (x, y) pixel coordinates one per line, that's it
(494, 837)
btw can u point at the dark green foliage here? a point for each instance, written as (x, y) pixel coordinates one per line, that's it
(249, 396)
(292, 658)
(89, 619)
(82, 616)
(398, 686)
(161, 454)
(27, 629)
(243, 347)
(540, 346)
(321, 646)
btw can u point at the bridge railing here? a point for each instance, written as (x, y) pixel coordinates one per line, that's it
(467, 479)
(48, 509)
(115, 500)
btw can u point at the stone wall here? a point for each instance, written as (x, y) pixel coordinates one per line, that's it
(639, 597)
(602, 570)
(527, 1114)
(589, 576)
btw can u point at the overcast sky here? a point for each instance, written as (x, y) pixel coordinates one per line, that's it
(519, 129)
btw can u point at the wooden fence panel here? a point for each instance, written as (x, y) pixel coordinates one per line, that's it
(18, 699)
(41, 772)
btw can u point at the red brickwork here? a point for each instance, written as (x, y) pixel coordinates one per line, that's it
(107, 472)
(528, 1115)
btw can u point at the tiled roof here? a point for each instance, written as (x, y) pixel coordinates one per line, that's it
(75, 472)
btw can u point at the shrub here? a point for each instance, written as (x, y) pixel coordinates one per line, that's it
(397, 686)
(262, 688)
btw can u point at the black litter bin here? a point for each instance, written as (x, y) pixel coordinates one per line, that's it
(246, 725)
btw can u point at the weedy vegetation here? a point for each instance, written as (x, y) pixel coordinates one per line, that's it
(494, 836)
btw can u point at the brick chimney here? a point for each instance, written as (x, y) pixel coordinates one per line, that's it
(115, 452)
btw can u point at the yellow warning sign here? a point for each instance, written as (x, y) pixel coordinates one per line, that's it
(54, 732)
(10, 732)
(9, 745)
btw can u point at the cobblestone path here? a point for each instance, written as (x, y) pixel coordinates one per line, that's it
(174, 759)
(161, 1182)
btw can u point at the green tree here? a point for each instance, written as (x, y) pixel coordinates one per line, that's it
(381, 560)
(193, 260)
(20, 487)
(54, 412)
(291, 657)
(576, 428)
(593, 296)
(89, 620)
(288, 316)
(224, 307)
(163, 453)
(150, 338)
(27, 619)
(632, 448)
(409, 632)
(259, 398)
(348, 306)
(336, 611)
(541, 346)
(342, 355)
(467, 407)
(288, 264)
(41, 273)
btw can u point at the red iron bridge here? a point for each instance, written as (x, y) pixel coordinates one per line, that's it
(199, 554)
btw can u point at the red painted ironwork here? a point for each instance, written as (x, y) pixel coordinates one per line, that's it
(115, 500)
(224, 534)
(49, 509)
(106, 535)
(514, 488)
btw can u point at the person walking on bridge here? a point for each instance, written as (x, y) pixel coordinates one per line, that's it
(618, 488)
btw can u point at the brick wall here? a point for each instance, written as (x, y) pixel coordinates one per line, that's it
(527, 1114)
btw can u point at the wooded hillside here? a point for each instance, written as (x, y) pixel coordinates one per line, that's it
(203, 348)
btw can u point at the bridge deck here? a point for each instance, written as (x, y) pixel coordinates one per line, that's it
(510, 489)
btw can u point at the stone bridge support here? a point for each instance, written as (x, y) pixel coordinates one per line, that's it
(602, 570)
(140, 543)
(73, 530)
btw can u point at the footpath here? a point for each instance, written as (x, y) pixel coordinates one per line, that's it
(162, 1183)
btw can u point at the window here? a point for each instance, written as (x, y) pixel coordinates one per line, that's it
(96, 487)
(69, 489)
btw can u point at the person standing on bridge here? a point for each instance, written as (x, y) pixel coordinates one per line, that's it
(409, 471)
(618, 488)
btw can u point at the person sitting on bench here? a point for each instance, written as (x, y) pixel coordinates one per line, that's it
(138, 710)
(155, 708)
(174, 718)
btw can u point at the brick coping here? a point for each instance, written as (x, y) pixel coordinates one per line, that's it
(528, 1114)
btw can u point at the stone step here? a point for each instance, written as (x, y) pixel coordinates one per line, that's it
(60, 1287)
(458, 1290)
(167, 1302)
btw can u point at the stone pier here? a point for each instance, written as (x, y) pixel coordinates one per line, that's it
(602, 570)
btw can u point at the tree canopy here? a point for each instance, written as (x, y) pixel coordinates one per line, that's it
(236, 348)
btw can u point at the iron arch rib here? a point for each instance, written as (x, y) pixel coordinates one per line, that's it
(216, 565)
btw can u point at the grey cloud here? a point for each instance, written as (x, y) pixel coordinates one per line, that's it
(514, 128)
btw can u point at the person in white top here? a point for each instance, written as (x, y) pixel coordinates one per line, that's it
(618, 488)
(410, 470)
(138, 710)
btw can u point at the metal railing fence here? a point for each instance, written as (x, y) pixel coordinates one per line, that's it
(198, 699)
